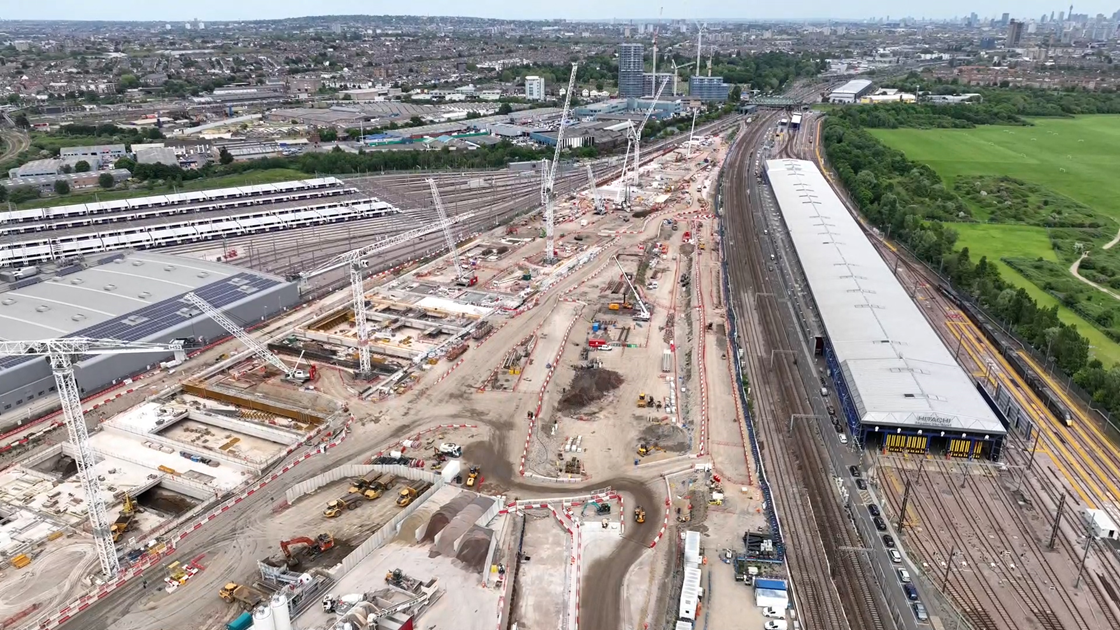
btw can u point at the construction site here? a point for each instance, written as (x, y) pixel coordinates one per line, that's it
(484, 428)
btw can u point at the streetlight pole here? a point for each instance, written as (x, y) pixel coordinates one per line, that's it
(948, 568)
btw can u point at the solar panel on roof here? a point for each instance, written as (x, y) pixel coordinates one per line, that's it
(150, 320)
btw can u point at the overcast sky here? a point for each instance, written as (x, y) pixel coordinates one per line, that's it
(511, 9)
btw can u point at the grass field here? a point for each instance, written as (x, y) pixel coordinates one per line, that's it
(1086, 147)
(1024, 241)
(241, 179)
(1077, 157)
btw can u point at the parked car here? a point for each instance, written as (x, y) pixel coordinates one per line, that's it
(854, 470)
(920, 611)
(773, 613)
(776, 624)
(861, 484)
(888, 541)
(903, 576)
(911, 592)
(843, 438)
(873, 509)
(880, 524)
(895, 556)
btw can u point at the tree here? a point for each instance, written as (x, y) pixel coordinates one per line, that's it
(106, 181)
(225, 157)
(3, 194)
(21, 121)
(81, 167)
(128, 82)
(328, 135)
(505, 108)
(66, 168)
(62, 187)
(20, 194)
(127, 164)
(736, 94)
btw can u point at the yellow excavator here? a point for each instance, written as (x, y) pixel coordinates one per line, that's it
(648, 449)
(643, 400)
(125, 518)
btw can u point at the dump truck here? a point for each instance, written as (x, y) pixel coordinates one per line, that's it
(409, 493)
(361, 483)
(378, 487)
(341, 504)
(241, 594)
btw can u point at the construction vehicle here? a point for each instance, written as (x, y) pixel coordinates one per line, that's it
(248, 597)
(125, 519)
(409, 493)
(450, 449)
(639, 515)
(464, 277)
(648, 449)
(258, 350)
(399, 579)
(341, 504)
(643, 400)
(322, 543)
(472, 478)
(378, 487)
(360, 484)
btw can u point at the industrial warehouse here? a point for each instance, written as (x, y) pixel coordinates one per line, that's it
(128, 297)
(899, 386)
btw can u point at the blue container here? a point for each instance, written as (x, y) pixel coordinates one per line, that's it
(242, 622)
(594, 326)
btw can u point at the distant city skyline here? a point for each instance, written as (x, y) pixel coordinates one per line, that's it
(223, 10)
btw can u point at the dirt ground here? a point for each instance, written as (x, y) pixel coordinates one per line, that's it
(588, 387)
(541, 586)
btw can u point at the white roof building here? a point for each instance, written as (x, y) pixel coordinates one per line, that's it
(850, 91)
(896, 368)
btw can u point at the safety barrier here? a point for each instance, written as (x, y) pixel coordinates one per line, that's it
(741, 387)
(540, 396)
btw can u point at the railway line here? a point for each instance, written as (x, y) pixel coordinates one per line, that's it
(1085, 467)
(833, 587)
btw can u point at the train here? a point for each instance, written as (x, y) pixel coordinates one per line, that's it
(1049, 398)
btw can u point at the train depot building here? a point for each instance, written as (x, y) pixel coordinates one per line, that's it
(899, 387)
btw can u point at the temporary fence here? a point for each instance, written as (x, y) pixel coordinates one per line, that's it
(741, 387)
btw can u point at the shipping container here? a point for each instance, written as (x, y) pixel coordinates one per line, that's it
(244, 621)
(667, 361)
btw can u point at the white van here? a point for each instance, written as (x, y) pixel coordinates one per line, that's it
(843, 438)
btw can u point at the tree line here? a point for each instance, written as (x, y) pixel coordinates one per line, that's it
(910, 202)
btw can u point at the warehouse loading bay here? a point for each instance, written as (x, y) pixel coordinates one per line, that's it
(565, 419)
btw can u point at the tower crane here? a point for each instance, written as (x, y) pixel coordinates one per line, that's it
(550, 197)
(62, 354)
(259, 351)
(676, 73)
(600, 205)
(463, 277)
(637, 133)
(643, 312)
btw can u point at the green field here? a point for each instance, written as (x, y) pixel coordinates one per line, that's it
(1086, 147)
(1078, 158)
(247, 178)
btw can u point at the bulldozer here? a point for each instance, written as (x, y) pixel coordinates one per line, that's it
(472, 478)
(244, 595)
(322, 543)
(639, 515)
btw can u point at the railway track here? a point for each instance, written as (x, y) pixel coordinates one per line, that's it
(833, 588)
(1044, 594)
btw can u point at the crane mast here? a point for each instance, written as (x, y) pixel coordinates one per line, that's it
(549, 206)
(599, 204)
(462, 278)
(61, 353)
(255, 347)
(640, 129)
(361, 324)
(644, 314)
